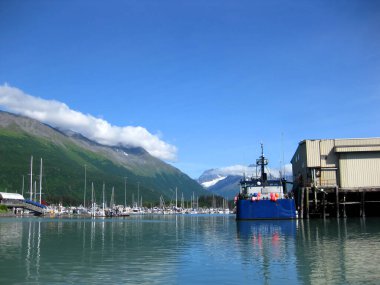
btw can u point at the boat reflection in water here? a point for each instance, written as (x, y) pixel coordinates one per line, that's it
(330, 251)
(267, 249)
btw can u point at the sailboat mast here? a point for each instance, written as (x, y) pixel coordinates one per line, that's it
(92, 200)
(176, 197)
(23, 185)
(41, 181)
(112, 198)
(31, 178)
(85, 186)
(125, 192)
(138, 193)
(103, 197)
(35, 191)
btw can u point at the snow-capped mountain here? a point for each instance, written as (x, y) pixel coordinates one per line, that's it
(212, 176)
(225, 181)
(212, 182)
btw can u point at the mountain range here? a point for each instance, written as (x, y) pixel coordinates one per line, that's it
(221, 182)
(69, 157)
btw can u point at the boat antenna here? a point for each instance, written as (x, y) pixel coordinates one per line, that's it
(262, 161)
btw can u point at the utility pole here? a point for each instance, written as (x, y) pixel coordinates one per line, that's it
(23, 183)
(138, 193)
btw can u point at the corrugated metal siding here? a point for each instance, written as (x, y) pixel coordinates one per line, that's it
(359, 169)
(328, 156)
(313, 154)
(357, 142)
(299, 160)
(357, 148)
(328, 177)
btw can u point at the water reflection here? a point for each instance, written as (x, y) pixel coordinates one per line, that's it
(32, 260)
(268, 249)
(189, 249)
(345, 251)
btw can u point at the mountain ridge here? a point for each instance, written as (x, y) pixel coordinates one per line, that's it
(65, 153)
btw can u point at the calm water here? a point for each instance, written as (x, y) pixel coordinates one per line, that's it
(188, 249)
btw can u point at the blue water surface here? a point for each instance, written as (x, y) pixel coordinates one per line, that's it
(188, 249)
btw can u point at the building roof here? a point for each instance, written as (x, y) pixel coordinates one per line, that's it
(11, 196)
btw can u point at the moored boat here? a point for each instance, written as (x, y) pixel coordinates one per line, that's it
(263, 198)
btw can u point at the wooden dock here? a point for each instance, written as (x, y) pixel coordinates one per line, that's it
(23, 205)
(337, 202)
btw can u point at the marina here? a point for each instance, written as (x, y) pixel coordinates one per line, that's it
(190, 142)
(24, 207)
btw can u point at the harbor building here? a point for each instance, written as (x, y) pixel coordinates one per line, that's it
(337, 176)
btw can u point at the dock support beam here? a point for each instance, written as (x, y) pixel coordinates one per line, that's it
(315, 199)
(362, 205)
(337, 201)
(324, 204)
(344, 205)
(307, 201)
(302, 202)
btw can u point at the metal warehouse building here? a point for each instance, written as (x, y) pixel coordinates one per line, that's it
(345, 168)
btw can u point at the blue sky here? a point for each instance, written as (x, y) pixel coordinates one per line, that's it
(212, 79)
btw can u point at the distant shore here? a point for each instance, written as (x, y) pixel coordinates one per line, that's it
(7, 214)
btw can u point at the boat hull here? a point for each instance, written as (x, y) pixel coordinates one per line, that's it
(265, 209)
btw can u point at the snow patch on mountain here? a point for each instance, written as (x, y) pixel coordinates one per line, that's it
(210, 183)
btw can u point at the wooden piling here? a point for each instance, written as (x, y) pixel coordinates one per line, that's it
(302, 202)
(362, 212)
(307, 201)
(324, 205)
(344, 205)
(337, 201)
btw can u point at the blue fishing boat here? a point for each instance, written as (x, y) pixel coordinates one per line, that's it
(263, 198)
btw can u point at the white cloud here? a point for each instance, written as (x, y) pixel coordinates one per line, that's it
(58, 114)
(236, 170)
(249, 170)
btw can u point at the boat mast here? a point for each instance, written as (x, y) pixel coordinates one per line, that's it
(112, 203)
(35, 191)
(31, 178)
(262, 161)
(125, 192)
(92, 200)
(138, 194)
(85, 186)
(23, 185)
(103, 197)
(40, 180)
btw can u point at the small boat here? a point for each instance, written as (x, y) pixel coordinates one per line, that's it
(263, 198)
